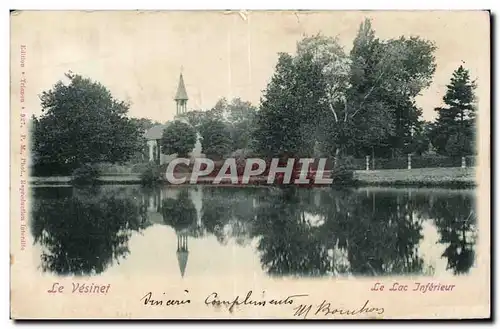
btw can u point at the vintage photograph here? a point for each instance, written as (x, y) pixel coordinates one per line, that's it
(185, 164)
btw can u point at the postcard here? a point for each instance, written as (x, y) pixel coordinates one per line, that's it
(250, 165)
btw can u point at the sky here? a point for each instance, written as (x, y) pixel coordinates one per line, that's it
(138, 56)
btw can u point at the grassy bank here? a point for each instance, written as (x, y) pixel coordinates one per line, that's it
(423, 177)
(65, 180)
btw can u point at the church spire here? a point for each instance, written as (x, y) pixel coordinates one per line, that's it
(182, 251)
(181, 97)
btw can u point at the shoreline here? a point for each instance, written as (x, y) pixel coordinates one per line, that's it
(423, 177)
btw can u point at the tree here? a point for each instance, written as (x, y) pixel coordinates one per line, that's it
(347, 103)
(143, 125)
(194, 118)
(225, 127)
(332, 69)
(420, 142)
(410, 75)
(458, 145)
(216, 139)
(219, 111)
(178, 137)
(454, 130)
(241, 116)
(355, 117)
(385, 76)
(82, 124)
(291, 108)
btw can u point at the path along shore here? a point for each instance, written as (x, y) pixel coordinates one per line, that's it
(461, 177)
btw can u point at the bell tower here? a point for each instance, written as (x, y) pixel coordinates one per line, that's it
(182, 251)
(181, 97)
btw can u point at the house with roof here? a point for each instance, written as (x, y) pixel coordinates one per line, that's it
(154, 134)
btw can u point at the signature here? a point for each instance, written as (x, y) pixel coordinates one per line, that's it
(326, 309)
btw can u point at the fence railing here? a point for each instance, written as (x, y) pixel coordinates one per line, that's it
(409, 162)
(348, 161)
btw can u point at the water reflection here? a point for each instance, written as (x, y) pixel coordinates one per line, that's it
(84, 230)
(297, 232)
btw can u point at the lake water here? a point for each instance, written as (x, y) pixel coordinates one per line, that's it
(192, 231)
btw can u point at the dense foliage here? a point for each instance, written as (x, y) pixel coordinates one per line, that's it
(81, 123)
(228, 126)
(84, 175)
(453, 133)
(359, 103)
(320, 101)
(151, 174)
(216, 140)
(178, 137)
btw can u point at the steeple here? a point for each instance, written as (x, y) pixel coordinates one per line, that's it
(181, 97)
(182, 251)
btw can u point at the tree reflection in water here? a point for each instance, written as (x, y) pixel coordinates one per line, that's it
(455, 218)
(180, 213)
(378, 232)
(297, 231)
(288, 244)
(229, 213)
(326, 231)
(83, 230)
(375, 239)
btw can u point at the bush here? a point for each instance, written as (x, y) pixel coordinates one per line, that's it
(50, 169)
(470, 161)
(435, 161)
(428, 161)
(351, 163)
(425, 161)
(113, 169)
(179, 168)
(342, 175)
(85, 175)
(151, 175)
(139, 168)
